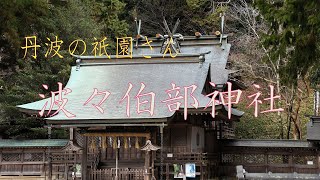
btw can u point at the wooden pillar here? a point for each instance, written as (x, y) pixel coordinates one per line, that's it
(201, 172)
(84, 158)
(117, 159)
(71, 134)
(317, 159)
(66, 169)
(152, 164)
(242, 157)
(161, 154)
(147, 166)
(49, 155)
(220, 129)
(104, 142)
(43, 169)
(167, 171)
(188, 135)
(49, 167)
(75, 164)
(0, 159)
(291, 162)
(266, 162)
(22, 160)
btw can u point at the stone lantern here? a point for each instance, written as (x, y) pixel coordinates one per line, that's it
(149, 147)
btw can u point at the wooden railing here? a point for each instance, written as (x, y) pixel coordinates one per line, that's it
(265, 163)
(22, 168)
(228, 133)
(26, 163)
(64, 157)
(182, 157)
(22, 163)
(175, 149)
(123, 174)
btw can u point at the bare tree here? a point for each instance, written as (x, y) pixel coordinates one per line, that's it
(253, 58)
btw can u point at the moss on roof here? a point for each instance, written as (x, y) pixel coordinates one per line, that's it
(35, 143)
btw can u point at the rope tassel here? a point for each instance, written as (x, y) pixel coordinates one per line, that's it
(125, 142)
(137, 143)
(114, 143)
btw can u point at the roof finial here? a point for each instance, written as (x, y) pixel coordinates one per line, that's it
(222, 16)
(138, 30)
(171, 37)
(78, 62)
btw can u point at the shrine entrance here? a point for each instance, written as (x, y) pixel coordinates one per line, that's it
(120, 155)
(123, 148)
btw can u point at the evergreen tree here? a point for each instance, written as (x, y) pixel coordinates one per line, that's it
(293, 35)
(22, 78)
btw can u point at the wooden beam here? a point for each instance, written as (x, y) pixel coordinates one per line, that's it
(118, 134)
(106, 122)
(112, 125)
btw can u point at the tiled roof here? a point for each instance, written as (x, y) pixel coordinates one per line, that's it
(36, 143)
(113, 75)
(267, 143)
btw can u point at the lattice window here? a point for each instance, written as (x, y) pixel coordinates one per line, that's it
(231, 158)
(285, 159)
(300, 159)
(79, 138)
(58, 157)
(237, 158)
(254, 158)
(275, 159)
(11, 157)
(33, 157)
(227, 158)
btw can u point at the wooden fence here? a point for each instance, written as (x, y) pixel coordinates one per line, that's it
(22, 163)
(123, 174)
(265, 162)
